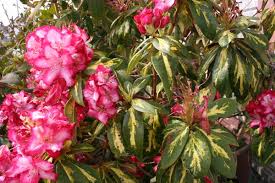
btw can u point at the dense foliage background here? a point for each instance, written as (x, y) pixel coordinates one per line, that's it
(176, 84)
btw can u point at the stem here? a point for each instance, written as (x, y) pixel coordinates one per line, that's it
(175, 18)
(154, 84)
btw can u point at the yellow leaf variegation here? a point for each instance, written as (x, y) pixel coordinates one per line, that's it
(175, 142)
(196, 155)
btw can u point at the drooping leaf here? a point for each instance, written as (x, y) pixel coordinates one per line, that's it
(240, 74)
(197, 155)
(204, 17)
(174, 145)
(76, 92)
(133, 132)
(209, 58)
(139, 55)
(223, 161)
(115, 140)
(163, 68)
(257, 40)
(222, 108)
(220, 75)
(70, 111)
(224, 135)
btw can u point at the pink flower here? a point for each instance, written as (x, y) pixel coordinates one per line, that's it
(101, 94)
(156, 160)
(52, 129)
(164, 5)
(5, 161)
(148, 20)
(49, 138)
(262, 111)
(29, 170)
(177, 110)
(58, 53)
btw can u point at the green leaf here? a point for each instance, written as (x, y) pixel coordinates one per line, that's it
(204, 17)
(140, 83)
(240, 74)
(174, 145)
(69, 110)
(197, 155)
(115, 139)
(209, 58)
(76, 92)
(257, 40)
(225, 136)
(123, 78)
(222, 108)
(223, 161)
(139, 55)
(72, 171)
(96, 8)
(162, 67)
(144, 106)
(161, 44)
(133, 132)
(226, 38)
(220, 73)
(81, 148)
(123, 176)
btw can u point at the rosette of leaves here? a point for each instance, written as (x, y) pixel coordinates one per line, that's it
(237, 61)
(189, 153)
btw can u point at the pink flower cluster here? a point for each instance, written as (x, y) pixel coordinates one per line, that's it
(101, 94)
(20, 168)
(149, 20)
(262, 110)
(58, 53)
(36, 125)
(33, 129)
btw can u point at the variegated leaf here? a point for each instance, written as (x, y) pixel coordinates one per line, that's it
(72, 171)
(161, 44)
(162, 66)
(223, 161)
(76, 92)
(124, 178)
(174, 144)
(133, 131)
(196, 156)
(222, 108)
(240, 74)
(139, 56)
(115, 140)
(224, 135)
(203, 16)
(220, 74)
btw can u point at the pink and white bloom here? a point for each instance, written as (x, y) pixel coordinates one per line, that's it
(27, 169)
(164, 5)
(58, 53)
(101, 94)
(262, 111)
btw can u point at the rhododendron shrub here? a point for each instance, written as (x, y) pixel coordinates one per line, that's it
(115, 91)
